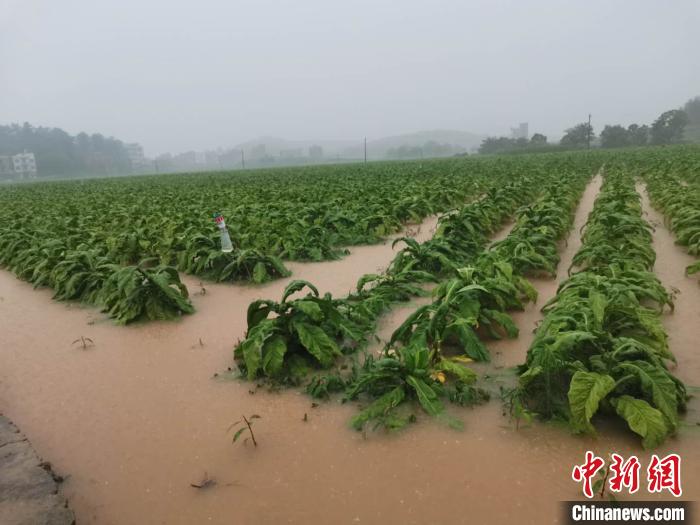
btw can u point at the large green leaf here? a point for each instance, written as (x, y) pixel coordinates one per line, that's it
(426, 396)
(656, 383)
(298, 285)
(586, 391)
(273, 355)
(258, 311)
(317, 343)
(252, 346)
(643, 419)
(470, 342)
(310, 308)
(380, 407)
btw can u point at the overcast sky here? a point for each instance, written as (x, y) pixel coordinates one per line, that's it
(178, 75)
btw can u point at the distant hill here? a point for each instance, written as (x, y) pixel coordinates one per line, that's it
(274, 146)
(376, 148)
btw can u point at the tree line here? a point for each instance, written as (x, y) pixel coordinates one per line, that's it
(668, 128)
(59, 153)
(428, 149)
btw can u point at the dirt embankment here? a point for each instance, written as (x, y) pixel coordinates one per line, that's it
(28, 487)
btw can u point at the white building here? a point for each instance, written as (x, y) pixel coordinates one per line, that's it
(521, 132)
(20, 166)
(136, 157)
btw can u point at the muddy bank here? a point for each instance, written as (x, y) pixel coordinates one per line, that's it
(136, 419)
(28, 487)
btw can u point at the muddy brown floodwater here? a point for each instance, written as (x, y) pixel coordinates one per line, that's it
(137, 418)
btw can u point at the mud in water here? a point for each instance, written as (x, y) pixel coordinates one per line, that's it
(137, 418)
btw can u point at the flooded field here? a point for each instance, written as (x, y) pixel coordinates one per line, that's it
(138, 417)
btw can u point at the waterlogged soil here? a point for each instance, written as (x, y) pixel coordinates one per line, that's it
(137, 417)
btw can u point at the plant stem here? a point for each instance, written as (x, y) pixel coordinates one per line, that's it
(250, 429)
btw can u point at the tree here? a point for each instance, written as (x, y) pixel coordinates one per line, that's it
(614, 137)
(578, 136)
(509, 145)
(692, 109)
(58, 153)
(538, 139)
(497, 145)
(668, 128)
(638, 135)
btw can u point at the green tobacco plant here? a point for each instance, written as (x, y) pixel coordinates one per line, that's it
(436, 257)
(81, 275)
(477, 299)
(204, 257)
(411, 373)
(376, 293)
(35, 263)
(132, 293)
(311, 330)
(307, 242)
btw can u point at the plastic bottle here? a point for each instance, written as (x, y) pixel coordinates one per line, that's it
(226, 245)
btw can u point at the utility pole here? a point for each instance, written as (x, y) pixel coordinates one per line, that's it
(242, 159)
(588, 131)
(365, 150)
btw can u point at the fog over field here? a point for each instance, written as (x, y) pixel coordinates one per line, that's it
(196, 75)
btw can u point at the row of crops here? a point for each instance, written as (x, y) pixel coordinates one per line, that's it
(282, 337)
(600, 352)
(121, 244)
(674, 189)
(424, 361)
(602, 346)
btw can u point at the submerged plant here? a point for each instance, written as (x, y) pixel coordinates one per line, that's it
(410, 373)
(132, 293)
(248, 426)
(477, 299)
(85, 342)
(303, 332)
